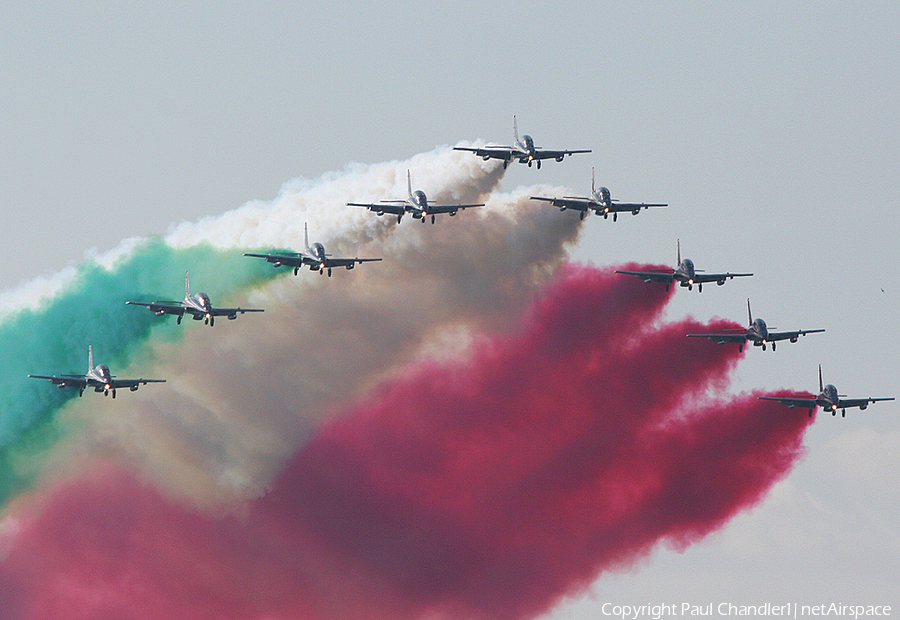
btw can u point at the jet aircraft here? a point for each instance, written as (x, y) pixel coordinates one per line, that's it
(197, 305)
(524, 150)
(757, 332)
(827, 398)
(314, 256)
(416, 203)
(97, 377)
(685, 274)
(600, 203)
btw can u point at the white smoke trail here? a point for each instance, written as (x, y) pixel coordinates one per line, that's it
(242, 397)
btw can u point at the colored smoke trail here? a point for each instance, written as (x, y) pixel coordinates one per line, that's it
(240, 401)
(221, 426)
(90, 309)
(486, 485)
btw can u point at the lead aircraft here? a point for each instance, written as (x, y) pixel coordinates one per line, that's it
(757, 332)
(685, 274)
(416, 203)
(197, 305)
(524, 151)
(97, 377)
(827, 398)
(600, 203)
(314, 256)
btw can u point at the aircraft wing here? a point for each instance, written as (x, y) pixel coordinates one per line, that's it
(634, 207)
(78, 381)
(651, 276)
(489, 152)
(570, 202)
(232, 312)
(161, 307)
(433, 209)
(862, 403)
(397, 207)
(132, 383)
(775, 336)
(558, 155)
(723, 338)
(717, 277)
(347, 262)
(793, 401)
(292, 259)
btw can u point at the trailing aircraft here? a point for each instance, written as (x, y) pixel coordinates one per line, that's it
(97, 377)
(314, 256)
(524, 151)
(685, 274)
(599, 202)
(757, 332)
(827, 398)
(197, 305)
(416, 203)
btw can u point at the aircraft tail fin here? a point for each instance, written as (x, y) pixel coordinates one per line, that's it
(306, 235)
(749, 313)
(187, 285)
(593, 191)
(90, 358)
(515, 130)
(678, 242)
(409, 186)
(821, 385)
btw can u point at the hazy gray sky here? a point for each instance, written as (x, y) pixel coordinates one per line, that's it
(770, 128)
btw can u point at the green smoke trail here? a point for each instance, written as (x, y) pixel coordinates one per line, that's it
(91, 309)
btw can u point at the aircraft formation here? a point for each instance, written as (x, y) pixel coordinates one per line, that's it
(416, 203)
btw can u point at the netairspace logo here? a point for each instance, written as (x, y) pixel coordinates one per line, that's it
(727, 610)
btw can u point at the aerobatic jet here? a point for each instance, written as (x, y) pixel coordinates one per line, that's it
(524, 151)
(197, 305)
(685, 274)
(314, 256)
(757, 332)
(97, 377)
(416, 203)
(827, 398)
(599, 202)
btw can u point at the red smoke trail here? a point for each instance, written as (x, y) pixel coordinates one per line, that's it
(488, 487)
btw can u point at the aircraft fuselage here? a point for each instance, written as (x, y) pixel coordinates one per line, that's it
(828, 398)
(685, 273)
(419, 202)
(604, 199)
(99, 378)
(758, 332)
(199, 305)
